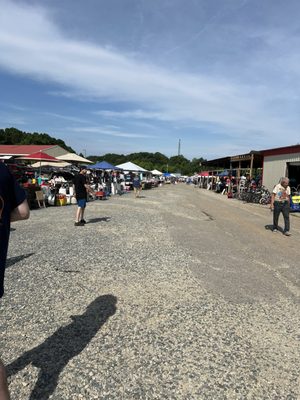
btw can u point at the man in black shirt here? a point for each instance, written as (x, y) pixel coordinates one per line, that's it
(13, 207)
(81, 191)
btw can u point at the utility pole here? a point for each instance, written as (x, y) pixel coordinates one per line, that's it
(179, 144)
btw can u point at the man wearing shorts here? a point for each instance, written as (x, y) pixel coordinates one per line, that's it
(13, 207)
(81, 190)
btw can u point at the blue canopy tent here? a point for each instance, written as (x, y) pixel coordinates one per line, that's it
(104, 165)
(226, 173)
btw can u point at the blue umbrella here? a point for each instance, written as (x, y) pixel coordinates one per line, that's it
(103, 165)
(226, 173)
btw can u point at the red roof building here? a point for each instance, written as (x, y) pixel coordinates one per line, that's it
(280, 162)
(22, 150)
(10, 150)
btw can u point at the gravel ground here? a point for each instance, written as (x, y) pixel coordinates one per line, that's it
(118, 310)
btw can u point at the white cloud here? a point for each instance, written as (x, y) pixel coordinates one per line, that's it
(135, 114)
(12, 106)
(100, 130)
(11, 119)
(66, 117)
(32, 45)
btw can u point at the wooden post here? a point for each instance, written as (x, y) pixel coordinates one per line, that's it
(251, 165)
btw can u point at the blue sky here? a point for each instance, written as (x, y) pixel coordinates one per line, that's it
(126, 76)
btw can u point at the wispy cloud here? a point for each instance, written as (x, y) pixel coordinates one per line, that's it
(135, 114)
(99, 130)
(8, 119)
(65, 117)
(5, 105)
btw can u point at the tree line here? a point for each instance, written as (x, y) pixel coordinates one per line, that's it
(149, 161)
(17, 137)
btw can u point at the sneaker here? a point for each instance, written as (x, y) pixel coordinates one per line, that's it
(287, 233)
(83, 221)
(275, 230)
(79, 223)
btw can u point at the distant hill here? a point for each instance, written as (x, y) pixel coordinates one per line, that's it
(15, 136)
(150, 161)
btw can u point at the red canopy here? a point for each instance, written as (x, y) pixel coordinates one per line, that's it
(203, 173)
(39, 156)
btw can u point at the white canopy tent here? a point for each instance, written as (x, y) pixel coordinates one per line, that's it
(72, 157)
(5, 157)
(156, 172)
(61, 164)
(131, 167)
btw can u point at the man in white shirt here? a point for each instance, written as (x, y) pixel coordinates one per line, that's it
(280, 203)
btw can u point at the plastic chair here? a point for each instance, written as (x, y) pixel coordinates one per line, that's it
(39, 195)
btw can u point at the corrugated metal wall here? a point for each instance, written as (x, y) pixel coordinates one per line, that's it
(275, 167)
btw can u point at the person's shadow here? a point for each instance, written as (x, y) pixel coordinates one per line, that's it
(67, 342)
(100, 219)
(14, 260)
(271, 228)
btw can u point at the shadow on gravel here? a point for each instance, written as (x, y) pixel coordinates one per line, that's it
(95, 220)
(53, 355)
(14, 260)
(210, 217)
(270, 228)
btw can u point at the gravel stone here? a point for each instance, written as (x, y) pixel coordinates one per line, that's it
(170, 296)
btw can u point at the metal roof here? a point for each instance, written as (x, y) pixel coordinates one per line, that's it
(282, 150)
(22, 150)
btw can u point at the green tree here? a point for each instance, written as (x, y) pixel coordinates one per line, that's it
(150, 161)
(16, 137)
(196, 165)
(179, 164)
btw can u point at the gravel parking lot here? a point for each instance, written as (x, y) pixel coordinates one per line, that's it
(181, 294)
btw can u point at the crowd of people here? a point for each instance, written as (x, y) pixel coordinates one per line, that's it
(227, 184)
(279, 200)
(57, 183)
